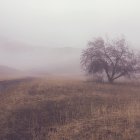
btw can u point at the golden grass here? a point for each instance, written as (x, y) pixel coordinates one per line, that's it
(63, 109)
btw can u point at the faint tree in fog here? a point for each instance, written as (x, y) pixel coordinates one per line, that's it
(111, 57)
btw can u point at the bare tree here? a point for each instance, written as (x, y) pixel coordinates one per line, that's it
(112, 57)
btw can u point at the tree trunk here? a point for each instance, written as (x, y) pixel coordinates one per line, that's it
(111, 81)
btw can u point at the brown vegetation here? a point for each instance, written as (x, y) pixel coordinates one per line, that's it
(38, 109)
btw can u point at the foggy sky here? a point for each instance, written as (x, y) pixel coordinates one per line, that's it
(26, 25)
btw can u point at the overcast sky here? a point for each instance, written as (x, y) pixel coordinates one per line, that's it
(66, 23)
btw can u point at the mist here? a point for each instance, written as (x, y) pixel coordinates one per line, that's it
(40, 59)
(50, 35)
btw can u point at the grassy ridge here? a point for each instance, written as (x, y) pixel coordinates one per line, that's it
(69, 110)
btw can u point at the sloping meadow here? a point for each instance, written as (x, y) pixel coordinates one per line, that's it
(69, 110)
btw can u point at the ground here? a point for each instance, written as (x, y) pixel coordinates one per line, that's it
(66, 109)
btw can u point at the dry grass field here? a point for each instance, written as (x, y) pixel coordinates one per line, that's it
(60, 109)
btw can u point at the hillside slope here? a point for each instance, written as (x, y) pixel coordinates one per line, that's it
(69, 110)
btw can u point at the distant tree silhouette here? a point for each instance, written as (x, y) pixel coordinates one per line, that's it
(112, 57)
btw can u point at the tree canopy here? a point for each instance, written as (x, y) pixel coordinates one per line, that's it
(112, 57)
